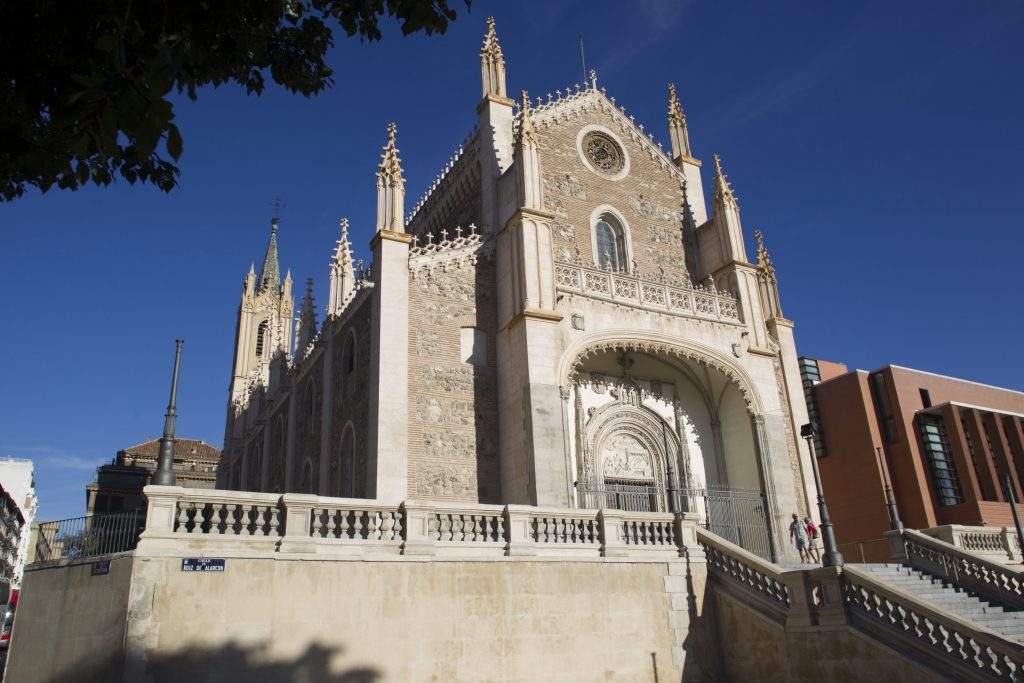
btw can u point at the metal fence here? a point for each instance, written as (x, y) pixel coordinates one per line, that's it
(628, 497)
(737, 515)
(71, 539)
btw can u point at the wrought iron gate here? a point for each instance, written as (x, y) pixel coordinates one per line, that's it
(622, 496)
(737, 515)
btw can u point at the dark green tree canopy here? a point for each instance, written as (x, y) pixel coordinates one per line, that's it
(85, 86)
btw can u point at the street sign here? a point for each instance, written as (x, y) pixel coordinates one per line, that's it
(202, 564)
(100, 568)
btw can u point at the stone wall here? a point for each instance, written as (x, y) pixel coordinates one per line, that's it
(350, 405)
(648, 198)
(756, 649)
(71, 624)
(453, 388)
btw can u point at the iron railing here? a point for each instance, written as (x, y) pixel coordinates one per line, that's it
(737, 515)
(78, 537)
(627, 497)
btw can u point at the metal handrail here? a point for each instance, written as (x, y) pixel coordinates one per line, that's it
(77, 537)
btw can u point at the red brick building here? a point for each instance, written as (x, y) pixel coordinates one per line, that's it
(948, 445)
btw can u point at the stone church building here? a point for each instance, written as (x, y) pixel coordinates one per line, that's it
(561, 320)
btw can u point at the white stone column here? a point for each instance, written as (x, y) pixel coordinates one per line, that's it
(387, 451)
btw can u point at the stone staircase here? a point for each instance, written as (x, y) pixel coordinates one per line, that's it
(942, 594)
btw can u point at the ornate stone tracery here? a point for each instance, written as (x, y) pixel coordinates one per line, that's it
(603, 152)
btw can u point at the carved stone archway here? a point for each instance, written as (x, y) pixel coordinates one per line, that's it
(656, 344)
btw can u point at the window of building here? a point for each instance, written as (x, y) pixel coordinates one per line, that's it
(261, 333)
(986, 492)
(945, 481)
(611, 244)
(926, 398)
(810, 375)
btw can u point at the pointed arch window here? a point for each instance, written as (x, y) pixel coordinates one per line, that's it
(611, 243)
(261, 335)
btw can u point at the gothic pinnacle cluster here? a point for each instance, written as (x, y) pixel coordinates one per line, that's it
(677, 131)
(764, 261)
(492, 63)
(390, 186)
(341, 271)
(722, 190)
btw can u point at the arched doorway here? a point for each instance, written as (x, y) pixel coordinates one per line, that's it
(648, 420)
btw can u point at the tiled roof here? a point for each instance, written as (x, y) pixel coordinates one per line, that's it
(184, 449)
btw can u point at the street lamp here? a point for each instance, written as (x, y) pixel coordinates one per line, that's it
(833, 558)
(164, 474)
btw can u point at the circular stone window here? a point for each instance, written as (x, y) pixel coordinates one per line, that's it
(602, 153)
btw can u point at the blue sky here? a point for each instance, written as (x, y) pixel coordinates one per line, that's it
(877, 145)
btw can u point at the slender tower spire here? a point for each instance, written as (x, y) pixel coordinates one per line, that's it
(492, 63)
(390, 187)
(270, 273)
(527, 159)
(342, 272)
(677, 130)
(164, 474)
(307, 321)
(769, 283)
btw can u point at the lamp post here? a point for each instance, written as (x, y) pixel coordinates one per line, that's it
(673, 503)
(164, 474)
(1012, 497)
(833, 558)
(895, 523)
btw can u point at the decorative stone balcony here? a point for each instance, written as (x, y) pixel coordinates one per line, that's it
(239, 523)
(631, 290)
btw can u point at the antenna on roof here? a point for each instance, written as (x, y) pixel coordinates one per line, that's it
(278, 206)
(583, 59)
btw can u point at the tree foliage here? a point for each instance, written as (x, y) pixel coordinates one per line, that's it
(85, 87)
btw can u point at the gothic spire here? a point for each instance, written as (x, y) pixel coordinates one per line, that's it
(307, 321)
(390, 186)
(764, 261)
(492, 63)
(270, 273)
(527, 159)
(722, 190)
(342, 273)
(677, 130)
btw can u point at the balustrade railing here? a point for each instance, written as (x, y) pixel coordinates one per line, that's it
(629, 289)
(950, 640)
(998, 544)
(989, 579)
(346, 526)
(227, 513)
(760, 578)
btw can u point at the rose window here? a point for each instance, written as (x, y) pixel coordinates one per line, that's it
(603, 153)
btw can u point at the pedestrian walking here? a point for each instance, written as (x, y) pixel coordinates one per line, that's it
(798, 535)
(812, 540)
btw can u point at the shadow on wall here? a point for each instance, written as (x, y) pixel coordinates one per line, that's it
(231, 663)
(701, 648)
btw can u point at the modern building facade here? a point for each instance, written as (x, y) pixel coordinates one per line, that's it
(946, 444)
(561, 320)
(118, 485)
(17, 478)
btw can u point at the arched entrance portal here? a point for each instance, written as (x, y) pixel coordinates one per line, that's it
(646, 422)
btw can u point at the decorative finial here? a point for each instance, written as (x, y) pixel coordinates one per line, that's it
(722, 189)
(593, 79)
(389, 171)
(764, 261)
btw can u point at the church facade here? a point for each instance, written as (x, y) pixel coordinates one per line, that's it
(559, 321)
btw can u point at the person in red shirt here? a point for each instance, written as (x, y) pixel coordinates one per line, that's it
(812, 539)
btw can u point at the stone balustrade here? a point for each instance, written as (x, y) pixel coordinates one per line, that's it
(991, 580)
(998, 544)
(838, 598)
(631, 290)
(231, 522)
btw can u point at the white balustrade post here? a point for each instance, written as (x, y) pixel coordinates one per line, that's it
(517, 531)
(161, 511)
(831, 612)
(298, 513)
(418, 539)
(686, 537)
(612, 542)
(1009, 540)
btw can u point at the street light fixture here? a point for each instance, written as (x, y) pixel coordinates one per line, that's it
(832, 558)
(164, 474)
